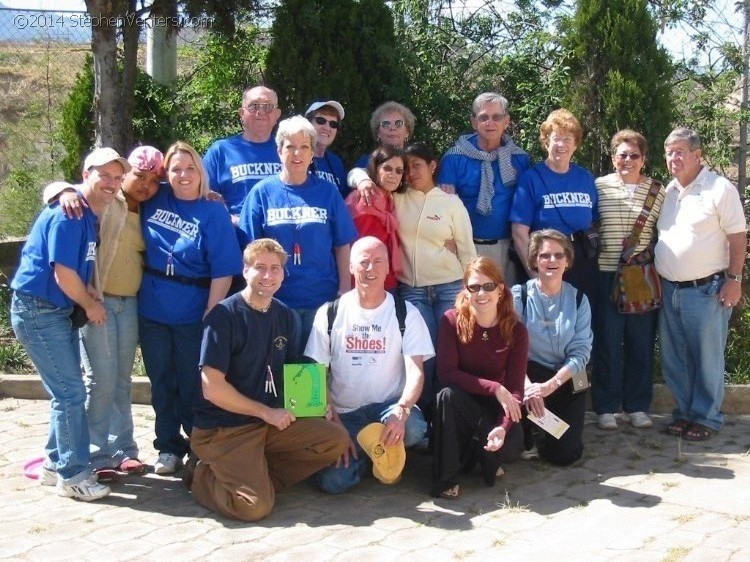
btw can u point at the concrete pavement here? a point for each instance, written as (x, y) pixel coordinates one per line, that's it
(635, 495)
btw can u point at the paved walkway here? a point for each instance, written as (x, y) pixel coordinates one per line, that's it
(636, 495)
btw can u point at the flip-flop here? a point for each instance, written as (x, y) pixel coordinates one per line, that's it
(132, 466)
(105, 474)
(697, 432)
(677, 428)
(452, 493)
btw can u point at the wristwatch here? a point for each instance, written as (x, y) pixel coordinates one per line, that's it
(737, 278)
(405, 408)
(557, 380)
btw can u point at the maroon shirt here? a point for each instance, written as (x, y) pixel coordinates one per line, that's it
(479, 367)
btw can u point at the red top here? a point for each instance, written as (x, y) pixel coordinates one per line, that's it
(480, 366)
(379, 220)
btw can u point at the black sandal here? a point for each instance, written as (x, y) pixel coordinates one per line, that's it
(697, 432)
(677, 428)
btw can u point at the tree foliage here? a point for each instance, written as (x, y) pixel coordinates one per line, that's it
(341, 50)
(150, 118)
(454, 52)
(208, 99)
(621, 76)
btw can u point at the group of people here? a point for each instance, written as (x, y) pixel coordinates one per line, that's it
(454, 302)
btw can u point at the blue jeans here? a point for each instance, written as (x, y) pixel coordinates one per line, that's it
(337, 480)
(171, 354)
(107, 354)
(305, 318)
(693, 327)
(623, 355)
(47, 334)
(432, 301)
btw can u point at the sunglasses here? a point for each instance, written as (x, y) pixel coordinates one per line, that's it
(387, 168)
(496, 117)
(322, 121)
(626, 156)
(546, 256)
(264, 107)
(398, 123)
(486, 287)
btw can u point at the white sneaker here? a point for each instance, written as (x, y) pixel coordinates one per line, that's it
(606, 421)
(530, 454)
(639, 420)
(47, 476)
(167, 463)
(88, 490)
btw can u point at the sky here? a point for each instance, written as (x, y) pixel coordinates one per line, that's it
(724, 22)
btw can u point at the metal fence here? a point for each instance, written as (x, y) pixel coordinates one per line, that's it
(41, 52)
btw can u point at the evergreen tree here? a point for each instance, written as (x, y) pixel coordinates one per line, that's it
(341, 50)
(621, 77)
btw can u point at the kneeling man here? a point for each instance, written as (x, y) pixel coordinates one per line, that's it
(376, 362)
(247, 444)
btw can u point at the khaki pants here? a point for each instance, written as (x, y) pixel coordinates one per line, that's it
(241, 468)
(499, 253)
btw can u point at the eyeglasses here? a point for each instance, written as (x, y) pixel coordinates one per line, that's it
(546, 256)
(322, 121)
(397, 124)
(388, 169)
(626, 156)
(486, 287)
(496, 117)
(264, 107)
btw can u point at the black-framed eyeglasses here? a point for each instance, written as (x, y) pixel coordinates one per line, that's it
(397, 124)
(388, 169)
(322, 121)
(625, 156)
(264, 107)
(486, 287)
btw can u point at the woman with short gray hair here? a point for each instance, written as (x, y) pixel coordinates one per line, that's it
(307, 216)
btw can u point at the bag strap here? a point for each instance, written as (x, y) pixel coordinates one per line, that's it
(525, 296)
(629, 244)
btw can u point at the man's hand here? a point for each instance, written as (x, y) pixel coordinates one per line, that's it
(451, 246)
(509, 403)
(279, 418)
(349, 453)
(730, 293)
(394, 431)
(96, 313)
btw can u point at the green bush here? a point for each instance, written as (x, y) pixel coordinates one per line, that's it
(13, 358)
(20, 201)
(738, 348)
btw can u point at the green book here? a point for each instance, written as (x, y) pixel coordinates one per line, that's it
(305, 389)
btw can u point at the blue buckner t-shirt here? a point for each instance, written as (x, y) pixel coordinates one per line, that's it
(197, 238)
(234, 165)
(329, 167)
(547, 199)
(54, 238)
(312, 216)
